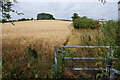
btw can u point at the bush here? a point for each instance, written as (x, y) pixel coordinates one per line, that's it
(110, 32)
(85, 22)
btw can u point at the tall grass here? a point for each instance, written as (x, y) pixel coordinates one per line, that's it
(105, 35)
(32, 61)
(111, 38)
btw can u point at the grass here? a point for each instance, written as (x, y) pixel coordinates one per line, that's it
(18, 62)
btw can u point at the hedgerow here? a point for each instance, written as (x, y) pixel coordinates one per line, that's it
(85, 22)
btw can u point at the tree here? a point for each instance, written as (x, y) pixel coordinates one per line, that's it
(102, 1)
(44, 16)
(75, 16)
(32, 18)
(4, 20)
(6, 8)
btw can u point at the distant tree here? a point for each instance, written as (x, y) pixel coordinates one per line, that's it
(28, 19)
(44, 16)
(32, 18)
(4, 20)
(75, 16)
(23, 19)
(102, 1)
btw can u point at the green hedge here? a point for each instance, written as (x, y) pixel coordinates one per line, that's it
(85, 22)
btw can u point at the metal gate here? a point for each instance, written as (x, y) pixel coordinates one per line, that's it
(108, 68)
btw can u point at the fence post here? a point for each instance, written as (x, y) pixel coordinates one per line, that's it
(63, 54)
(111, 72)
(56, 61)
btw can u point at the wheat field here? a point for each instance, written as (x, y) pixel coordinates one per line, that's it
(42, 35)
(27, 32)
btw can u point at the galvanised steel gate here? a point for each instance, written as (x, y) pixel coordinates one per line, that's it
(108, 68)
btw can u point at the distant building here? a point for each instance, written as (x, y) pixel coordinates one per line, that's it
(119, 10)
(44, 16)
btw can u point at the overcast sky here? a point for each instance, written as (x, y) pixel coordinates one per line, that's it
(65, 9)
(64, 0)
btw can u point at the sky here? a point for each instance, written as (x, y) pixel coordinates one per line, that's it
(64, 0)
(64, 9)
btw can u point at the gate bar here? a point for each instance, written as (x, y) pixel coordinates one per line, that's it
(68, 58)
(95, 69)
(90, 46)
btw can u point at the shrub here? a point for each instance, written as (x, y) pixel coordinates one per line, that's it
(85, 22)
(110, 32)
